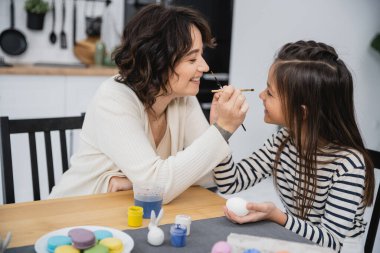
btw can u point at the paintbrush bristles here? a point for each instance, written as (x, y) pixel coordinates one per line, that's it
(242, 90)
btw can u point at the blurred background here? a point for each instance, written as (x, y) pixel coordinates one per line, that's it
(49, 79)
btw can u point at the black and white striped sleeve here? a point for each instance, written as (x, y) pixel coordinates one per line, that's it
(231, 177)
(342, 204)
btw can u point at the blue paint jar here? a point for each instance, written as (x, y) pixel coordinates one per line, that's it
(251, 251)
(149, 197)
(178, 235)
(149, 204)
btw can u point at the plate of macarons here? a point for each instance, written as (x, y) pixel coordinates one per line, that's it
(85, 239)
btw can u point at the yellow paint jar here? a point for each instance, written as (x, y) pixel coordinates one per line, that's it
(135, 216)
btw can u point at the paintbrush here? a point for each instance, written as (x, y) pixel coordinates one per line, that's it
(242, 90)
(221, 87)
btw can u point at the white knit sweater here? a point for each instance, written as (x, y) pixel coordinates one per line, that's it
(114, 141)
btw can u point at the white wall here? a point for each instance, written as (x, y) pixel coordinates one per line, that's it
(39, 47)
(260, 28)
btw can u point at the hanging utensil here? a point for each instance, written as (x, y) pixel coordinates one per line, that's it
(63, 38)
(93, 23)
(75, 22)
(53, 36)
(12, 41)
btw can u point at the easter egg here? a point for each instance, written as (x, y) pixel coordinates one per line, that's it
(237, 206)
(221, 247)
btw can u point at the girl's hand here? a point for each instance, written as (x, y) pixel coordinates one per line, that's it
(258, 212)
(119, 184)
(231, 108)
(214, 110)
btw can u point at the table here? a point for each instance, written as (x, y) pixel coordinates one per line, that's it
(28, 221)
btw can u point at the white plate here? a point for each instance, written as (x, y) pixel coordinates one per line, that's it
(41, 244)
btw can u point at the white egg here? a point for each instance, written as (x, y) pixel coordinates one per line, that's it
(238, 206)
(156, 236)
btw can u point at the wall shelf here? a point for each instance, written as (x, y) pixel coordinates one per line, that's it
(58, 71)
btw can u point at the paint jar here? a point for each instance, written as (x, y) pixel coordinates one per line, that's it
(135, 216)
(251, 251)
(183, 220)
(149, 197)
(178, 235)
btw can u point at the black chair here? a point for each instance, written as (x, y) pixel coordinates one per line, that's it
(31, 127)
(374, 223)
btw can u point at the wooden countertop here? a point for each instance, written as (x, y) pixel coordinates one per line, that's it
(30, 220)
(58, 70)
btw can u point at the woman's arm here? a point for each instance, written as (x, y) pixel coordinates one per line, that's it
(119, 131)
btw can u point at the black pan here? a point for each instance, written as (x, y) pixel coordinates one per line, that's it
(12, 41)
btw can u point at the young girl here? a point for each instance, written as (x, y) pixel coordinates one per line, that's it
(322, 171)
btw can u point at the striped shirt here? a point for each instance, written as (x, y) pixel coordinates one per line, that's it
(337, 210)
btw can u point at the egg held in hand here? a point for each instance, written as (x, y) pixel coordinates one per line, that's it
(238, 206)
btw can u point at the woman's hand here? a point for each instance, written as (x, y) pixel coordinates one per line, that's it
(231, 108)
(119, 184)
(258, 212)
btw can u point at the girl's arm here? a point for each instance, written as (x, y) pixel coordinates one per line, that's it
(342, 213)
(232, 177)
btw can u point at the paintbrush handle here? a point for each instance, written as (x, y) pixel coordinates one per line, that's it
(242, 90)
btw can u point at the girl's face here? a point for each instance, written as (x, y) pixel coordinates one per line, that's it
(272, 103)
(186, 79)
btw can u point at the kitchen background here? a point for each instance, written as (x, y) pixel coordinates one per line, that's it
(259, 29)
(40, 49)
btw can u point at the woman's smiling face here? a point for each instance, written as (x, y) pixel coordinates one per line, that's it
(186, 79)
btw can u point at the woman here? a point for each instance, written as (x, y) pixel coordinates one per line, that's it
(146, 124)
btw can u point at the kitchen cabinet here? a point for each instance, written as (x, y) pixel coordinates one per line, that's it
(30, 92)
(39, 95)
(32, 96)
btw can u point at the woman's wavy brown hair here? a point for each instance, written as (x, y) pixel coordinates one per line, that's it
(311, 75)
(153, 43)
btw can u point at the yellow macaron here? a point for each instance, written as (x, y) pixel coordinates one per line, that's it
(66, 249)
(115, 245)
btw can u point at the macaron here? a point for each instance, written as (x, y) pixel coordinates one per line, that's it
(102, 234)
(114, 245)
(66, 249)
(97, 249)
(82, 238)
(56, 241)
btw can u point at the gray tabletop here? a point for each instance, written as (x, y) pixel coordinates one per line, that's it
(204, 234)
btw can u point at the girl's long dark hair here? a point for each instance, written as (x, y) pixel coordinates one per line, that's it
(153, 43)
(312, 80)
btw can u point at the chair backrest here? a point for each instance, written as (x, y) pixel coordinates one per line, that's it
(31, 127)
(374, 223)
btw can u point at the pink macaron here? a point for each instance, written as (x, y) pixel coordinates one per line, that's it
(82, 238)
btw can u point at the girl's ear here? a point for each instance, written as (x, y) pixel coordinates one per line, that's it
(304, 112)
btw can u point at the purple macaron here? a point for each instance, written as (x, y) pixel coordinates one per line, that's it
(82, 238)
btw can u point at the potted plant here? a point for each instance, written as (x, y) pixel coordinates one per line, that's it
(36, 10)
(376, 43)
